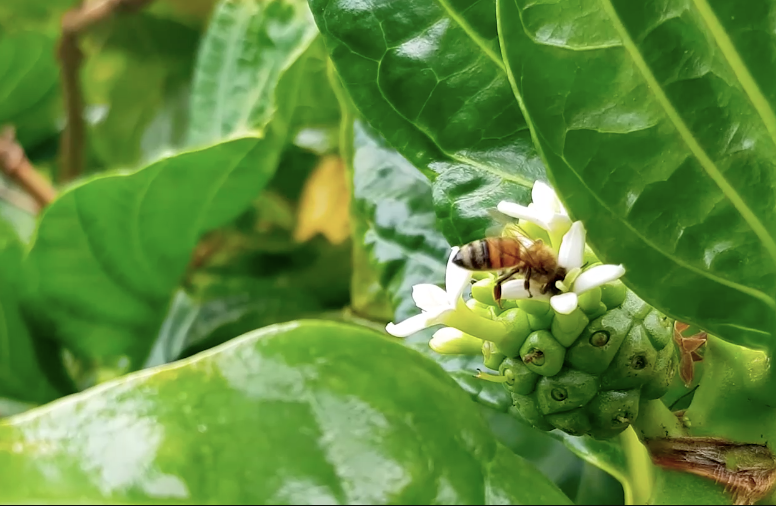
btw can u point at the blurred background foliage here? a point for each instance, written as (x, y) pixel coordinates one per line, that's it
(343, 230)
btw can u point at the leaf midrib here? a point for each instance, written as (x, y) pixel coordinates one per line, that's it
(472, 34)
(684, 132)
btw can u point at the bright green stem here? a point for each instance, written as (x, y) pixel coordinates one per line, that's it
(466, 320)
(655, 420)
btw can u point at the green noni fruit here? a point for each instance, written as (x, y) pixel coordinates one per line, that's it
(586, 373)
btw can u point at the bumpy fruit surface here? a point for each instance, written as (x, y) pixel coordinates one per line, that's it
(586, 373)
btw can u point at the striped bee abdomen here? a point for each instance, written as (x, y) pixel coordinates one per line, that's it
(489, 254)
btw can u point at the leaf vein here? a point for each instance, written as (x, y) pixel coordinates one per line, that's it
(703, 158)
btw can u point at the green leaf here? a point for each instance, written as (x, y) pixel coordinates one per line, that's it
(40, 15)
(127, 47)
(247, 49)
(428, 76)
(29, 85)
(597, 487)
(298, 413)
(393, 201)
(22, 376)
(110, 252)
(395, 229)
(658, 126)
(235, 307)
(624, 458)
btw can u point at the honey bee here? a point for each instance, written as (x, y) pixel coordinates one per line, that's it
(512, 254)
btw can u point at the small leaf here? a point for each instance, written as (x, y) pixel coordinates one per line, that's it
(110, 252)
(299, 413)
(658, 127)
(428, 76)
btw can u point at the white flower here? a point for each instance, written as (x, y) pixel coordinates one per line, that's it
(437, 305)
(570, 257)
(546, 211)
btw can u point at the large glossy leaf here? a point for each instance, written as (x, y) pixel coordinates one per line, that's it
(393, 209)
(22, 373)
(428, 76)
(394, 201)
(110, 252)
(657, 123)
(298, 413)
(29, 85)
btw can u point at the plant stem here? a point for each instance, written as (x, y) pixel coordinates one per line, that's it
(640, 468)
(655, 421)
(14, 164)
(75, 22)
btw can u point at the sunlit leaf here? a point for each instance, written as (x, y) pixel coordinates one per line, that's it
(429, 77)
(322, 399)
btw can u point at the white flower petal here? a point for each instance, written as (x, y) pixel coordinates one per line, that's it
(564, 303)
(597, 276)
(411, 325)
(572, 247)
(429, 297)
(456, 279)
(545, 198)
(515, 289)
(533, 214)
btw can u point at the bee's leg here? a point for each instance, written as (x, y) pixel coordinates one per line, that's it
(501, 279)
(497, 294)
(527, 282)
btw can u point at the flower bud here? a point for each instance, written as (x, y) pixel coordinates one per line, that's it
(450, 341)
(482, 291)
(589, 301)
(480, 309)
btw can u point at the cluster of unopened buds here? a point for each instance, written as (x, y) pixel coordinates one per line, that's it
(465, 325)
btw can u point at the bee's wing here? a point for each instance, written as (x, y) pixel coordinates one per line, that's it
(501, 219)
(506, 226)
(523, 255)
